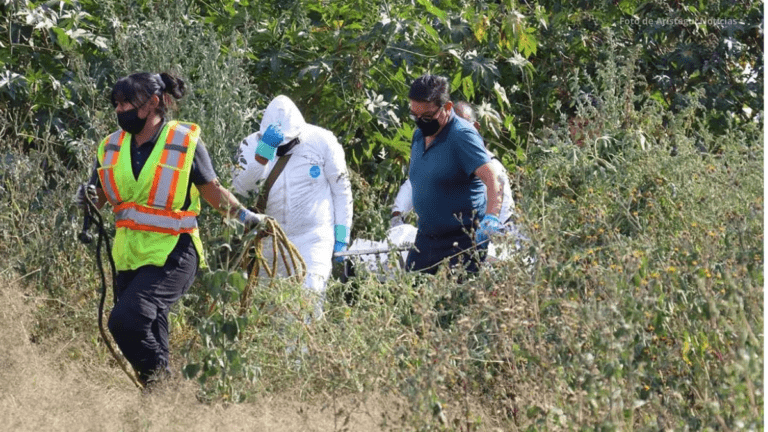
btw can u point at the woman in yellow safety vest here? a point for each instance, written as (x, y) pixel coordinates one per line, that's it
(153, 172)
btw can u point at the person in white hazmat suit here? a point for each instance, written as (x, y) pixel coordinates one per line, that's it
(311, 198)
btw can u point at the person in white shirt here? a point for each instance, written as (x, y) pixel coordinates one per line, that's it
(311, 199)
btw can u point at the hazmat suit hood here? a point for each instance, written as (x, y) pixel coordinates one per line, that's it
(282, 110)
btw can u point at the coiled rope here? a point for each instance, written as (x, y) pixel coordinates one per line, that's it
(252, 260)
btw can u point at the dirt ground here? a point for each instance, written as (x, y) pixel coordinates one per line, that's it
(41, 389)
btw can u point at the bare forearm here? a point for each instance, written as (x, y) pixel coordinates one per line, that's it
(495, 198)
(102, 198)
(493, 183)
(220, 198)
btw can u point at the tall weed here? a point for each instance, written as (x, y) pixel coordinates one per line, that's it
(640, 310)
(637, 304)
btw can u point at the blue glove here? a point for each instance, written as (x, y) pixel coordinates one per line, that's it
(268, 143)
(340, 245)
(488, 226)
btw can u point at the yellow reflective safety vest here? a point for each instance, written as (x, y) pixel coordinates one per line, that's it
(147, 210)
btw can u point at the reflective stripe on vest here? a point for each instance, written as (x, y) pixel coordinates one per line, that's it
(142, 218)
(171, 162)
(111, 153)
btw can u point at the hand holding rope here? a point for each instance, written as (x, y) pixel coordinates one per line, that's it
(255, 260)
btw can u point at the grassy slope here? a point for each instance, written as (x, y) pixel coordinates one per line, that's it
(42, 389)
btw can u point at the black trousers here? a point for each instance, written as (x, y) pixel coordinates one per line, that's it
(139, 320)
(428, 251)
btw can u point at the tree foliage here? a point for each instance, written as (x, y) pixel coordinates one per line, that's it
(618, 120)
(348, 64)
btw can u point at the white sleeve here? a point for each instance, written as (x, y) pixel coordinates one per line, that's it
(404, 198)
(336, 174)
(248, 173)
(508, 203)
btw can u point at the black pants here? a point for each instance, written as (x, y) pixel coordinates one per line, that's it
(139, 320)
(428, 251)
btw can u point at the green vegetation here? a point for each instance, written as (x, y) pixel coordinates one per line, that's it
(633, 133)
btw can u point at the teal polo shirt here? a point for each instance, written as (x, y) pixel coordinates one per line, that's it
(446, 194)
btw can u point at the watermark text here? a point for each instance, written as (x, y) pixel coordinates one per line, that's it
(679, 21)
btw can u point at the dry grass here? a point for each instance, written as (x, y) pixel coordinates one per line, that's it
(41, 389)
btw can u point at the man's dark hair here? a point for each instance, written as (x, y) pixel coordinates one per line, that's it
(465, 110)
(430, 88)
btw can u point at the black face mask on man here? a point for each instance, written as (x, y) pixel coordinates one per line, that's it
(428, 127)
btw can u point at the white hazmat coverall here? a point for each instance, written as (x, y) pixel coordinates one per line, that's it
(309, 197)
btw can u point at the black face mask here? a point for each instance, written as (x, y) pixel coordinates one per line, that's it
(130, 122)
(428, 127)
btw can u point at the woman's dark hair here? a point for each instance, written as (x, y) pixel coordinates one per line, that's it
(430, 88)
(137, 88)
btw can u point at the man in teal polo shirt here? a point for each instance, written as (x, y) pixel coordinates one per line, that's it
(450, 171)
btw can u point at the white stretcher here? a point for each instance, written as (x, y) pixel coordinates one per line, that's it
(388, 256)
